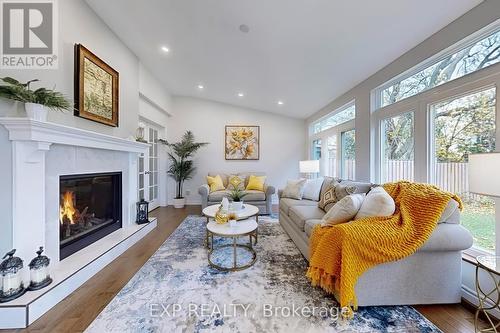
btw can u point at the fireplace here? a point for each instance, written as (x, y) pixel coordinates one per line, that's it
(90, 209)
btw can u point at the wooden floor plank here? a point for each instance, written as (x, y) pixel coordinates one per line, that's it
(78, 310)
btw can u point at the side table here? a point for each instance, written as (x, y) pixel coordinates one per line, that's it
(488, 291)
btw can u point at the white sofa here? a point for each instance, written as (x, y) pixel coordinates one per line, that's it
(261, 199)
(432, 275)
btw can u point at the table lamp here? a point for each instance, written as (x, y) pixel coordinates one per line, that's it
(309, 167)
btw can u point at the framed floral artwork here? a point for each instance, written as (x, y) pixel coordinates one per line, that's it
(242, 142)
(96, 88)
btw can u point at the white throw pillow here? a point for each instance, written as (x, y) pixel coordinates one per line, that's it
(312, 189)
(294, 189)
(377, 203)
(344, 210)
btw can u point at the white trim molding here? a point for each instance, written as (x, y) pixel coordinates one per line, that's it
(24, 129)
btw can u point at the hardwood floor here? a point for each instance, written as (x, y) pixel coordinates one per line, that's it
(78, 310)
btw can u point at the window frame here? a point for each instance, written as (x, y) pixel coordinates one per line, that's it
(457, 47)
(420, 104)
(329, 132)
(344, 107)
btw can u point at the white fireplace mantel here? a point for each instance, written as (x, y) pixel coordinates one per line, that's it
(40, 153)
(24, 129)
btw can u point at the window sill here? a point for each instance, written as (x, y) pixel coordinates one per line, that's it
(470, 255)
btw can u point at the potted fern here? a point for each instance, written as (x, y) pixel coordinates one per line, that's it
(36, 102)
(181, 166)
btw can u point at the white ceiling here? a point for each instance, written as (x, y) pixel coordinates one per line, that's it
(305, 53)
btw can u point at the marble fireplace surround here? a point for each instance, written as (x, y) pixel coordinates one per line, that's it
(41, 153)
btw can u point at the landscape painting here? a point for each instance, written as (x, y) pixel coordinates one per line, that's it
(96, 88)
(242, 142)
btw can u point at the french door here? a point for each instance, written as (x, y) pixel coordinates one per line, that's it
(148, 169)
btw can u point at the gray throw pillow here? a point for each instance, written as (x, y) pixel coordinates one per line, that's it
(294, 189)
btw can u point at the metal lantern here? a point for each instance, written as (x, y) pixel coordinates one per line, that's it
(142, 212)
(39, 271)
(139, 134)
(11, 277)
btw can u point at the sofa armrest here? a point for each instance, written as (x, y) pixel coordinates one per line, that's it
(270, 190)
(204, 191)
(448, 237)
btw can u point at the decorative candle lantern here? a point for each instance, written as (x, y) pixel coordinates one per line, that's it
(11, 277)
(142, 212)
(39, 271)
(139, 135)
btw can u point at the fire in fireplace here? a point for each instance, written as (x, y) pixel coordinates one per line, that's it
(90, 208)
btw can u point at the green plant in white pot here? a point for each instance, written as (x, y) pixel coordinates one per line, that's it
(181, 166)
(36, 102)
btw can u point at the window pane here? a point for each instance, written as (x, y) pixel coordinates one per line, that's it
(348, 154)
(461, 126)
(339, 117)
(484, 53)
(331, 169)
(397, 148)
(316, 149)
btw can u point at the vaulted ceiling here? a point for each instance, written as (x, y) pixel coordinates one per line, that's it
(302, 53)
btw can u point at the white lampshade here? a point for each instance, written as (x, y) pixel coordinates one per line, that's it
(484, 174)
(310, 166)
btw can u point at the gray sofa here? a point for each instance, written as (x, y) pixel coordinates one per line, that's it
(432, 275)
(261, 199)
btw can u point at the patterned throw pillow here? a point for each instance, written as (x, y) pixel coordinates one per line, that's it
(343, 190)
(236, 182)
(327, 196)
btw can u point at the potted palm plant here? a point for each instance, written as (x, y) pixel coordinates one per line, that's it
(236, 196)
(181, 166)
(36, 102)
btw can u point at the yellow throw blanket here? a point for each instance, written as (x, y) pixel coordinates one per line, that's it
(342, 253)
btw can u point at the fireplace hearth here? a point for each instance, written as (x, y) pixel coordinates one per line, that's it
(90, 209)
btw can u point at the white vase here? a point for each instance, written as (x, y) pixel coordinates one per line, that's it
(179, 203)
(36, 111)
(237, 206)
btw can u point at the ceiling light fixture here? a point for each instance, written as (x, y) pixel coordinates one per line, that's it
(280, 103)
(241, 94)
(165, 49)
(201, 87)
(244, 28)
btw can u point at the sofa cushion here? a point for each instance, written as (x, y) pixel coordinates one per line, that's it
(309, 226)
(224, 177)
(451, 213)
(377, 203)
(287, 203)
(300, 214)
(215, 183)
(294, 189)
(327, 196)
(236, 182)
(254, 195)
(361, 187)
(256, 183)
(344, 210)
(218, 195)
(313, 189)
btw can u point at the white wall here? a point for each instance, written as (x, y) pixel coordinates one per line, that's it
(79, 24)
(472, 21)
(281, 141)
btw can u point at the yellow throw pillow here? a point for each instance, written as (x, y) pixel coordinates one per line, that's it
(215, 183)
(256, 183)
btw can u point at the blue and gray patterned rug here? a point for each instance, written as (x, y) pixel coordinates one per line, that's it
(177, 291)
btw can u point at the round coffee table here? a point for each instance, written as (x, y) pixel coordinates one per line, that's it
(247, 212)
(241, 228)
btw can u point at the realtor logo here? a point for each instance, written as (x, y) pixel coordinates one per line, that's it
(29, 34)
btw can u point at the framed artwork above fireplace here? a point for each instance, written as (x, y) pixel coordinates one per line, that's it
(96, 88)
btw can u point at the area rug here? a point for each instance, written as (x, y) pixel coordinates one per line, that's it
(177, 291)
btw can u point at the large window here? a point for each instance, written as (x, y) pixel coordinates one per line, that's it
(465, 59)
(349, 154)
(332, 167)
(397, 148)
(338, 117)
(462, 126)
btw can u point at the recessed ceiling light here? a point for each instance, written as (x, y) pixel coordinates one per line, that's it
(240, 94)
(201, 87)
(244, 28)
(280, 103)
(165, 49)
